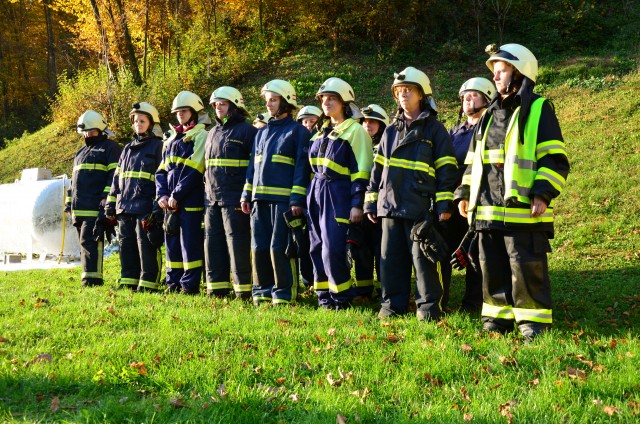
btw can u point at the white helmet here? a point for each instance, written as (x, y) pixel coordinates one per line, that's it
(518, 56)
(309, 111)
(187, 100)
(281, 88)
(481, 85)
(227, 93)
(338, 87)
(374, 111)
(91, 120)
(413, 76)
(263, 117)
(147, 109)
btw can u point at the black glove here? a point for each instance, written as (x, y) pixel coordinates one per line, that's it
(98, 226)
(110, 229)
(461, 258)
(431, 242)
(110, 211)
(356, 249)
(67, 208)
(171, 224)
(297, 242)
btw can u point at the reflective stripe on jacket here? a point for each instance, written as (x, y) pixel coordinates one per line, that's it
(180, 174)
(134, 188)
(279, 166)
(518, 170)
(411, 167)
(343, 153)
(93, 169)
(227, 153)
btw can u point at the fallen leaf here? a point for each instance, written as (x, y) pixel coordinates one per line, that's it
(508, 361)
(3, 340)
(175, 318)
(55, 404)
(280, 381)
(333, 382)
(534, 382)
(467, 417)
(123, 400)
(341, 419)
(466, 347)
(331, 332)
(283, 321)
(597, 402)
(610, 410)
(293, 397)
(344, 376)
(613, 343)
(495, 386)
(111, 310)
(433, 380)
(391, 357)
(177, 403)
(39, 397)
(576, 373)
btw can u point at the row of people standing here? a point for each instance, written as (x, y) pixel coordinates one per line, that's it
(407, 190)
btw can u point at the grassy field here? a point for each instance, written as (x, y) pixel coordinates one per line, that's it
(72, 354)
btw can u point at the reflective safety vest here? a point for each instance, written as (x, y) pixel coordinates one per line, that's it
(521, 170)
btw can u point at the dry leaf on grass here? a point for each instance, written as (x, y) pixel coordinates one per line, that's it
(467, 417)
(610, 410)
(466, 347)
(177, 403)
(341, 419)
(222, 391)
(508, 361)
(55, 404)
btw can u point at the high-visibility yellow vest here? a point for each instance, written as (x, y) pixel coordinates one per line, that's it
(520, 170)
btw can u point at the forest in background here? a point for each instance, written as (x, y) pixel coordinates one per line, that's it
(60, 56)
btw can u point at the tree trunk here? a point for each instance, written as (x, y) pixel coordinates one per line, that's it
(146, 38)
(103, 36)
(128, 44)
(260, 11)
(52, 74)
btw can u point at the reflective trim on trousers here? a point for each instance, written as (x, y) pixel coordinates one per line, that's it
(534, 315)
(337, 288)
(321, 285)
(218, 285)
(242, 288)
(503, 312)
(129, 281)
(364, 283)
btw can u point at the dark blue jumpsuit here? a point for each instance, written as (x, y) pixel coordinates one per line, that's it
(180, 176)
(341, 159)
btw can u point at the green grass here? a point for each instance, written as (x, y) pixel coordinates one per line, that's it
(72, 354)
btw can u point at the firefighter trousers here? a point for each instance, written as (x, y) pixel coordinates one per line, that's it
(398, 254)
(185, 252)
(454, 230)
(140, 262)
(328, 226)
(275, 277)
(515, 279)
(369, 261)
(227, 250)
(91, 251)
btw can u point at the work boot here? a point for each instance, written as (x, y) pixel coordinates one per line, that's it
(531, 330)
(245, 297)
(423, 315)
(218, 294)
(385, 313)
(142, 289)
(497, 327)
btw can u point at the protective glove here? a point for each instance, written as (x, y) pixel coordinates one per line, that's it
(110, 211)
(461, 258)
(356, 250)
(171, 224)
(297, 242)
(110, 229)
(67, 208)
(98, 226)
(431, 242)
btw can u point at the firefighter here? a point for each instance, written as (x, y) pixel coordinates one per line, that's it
(374, 122)
(277, 180)
(475, 95)
(180, 192)
(518, 164)
(341, 156)
(93, 169)
(308, 116)
(131, 199)
(414, 171)
(261, 120)
(227, 230)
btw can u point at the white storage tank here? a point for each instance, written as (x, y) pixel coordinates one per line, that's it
(31, 216)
